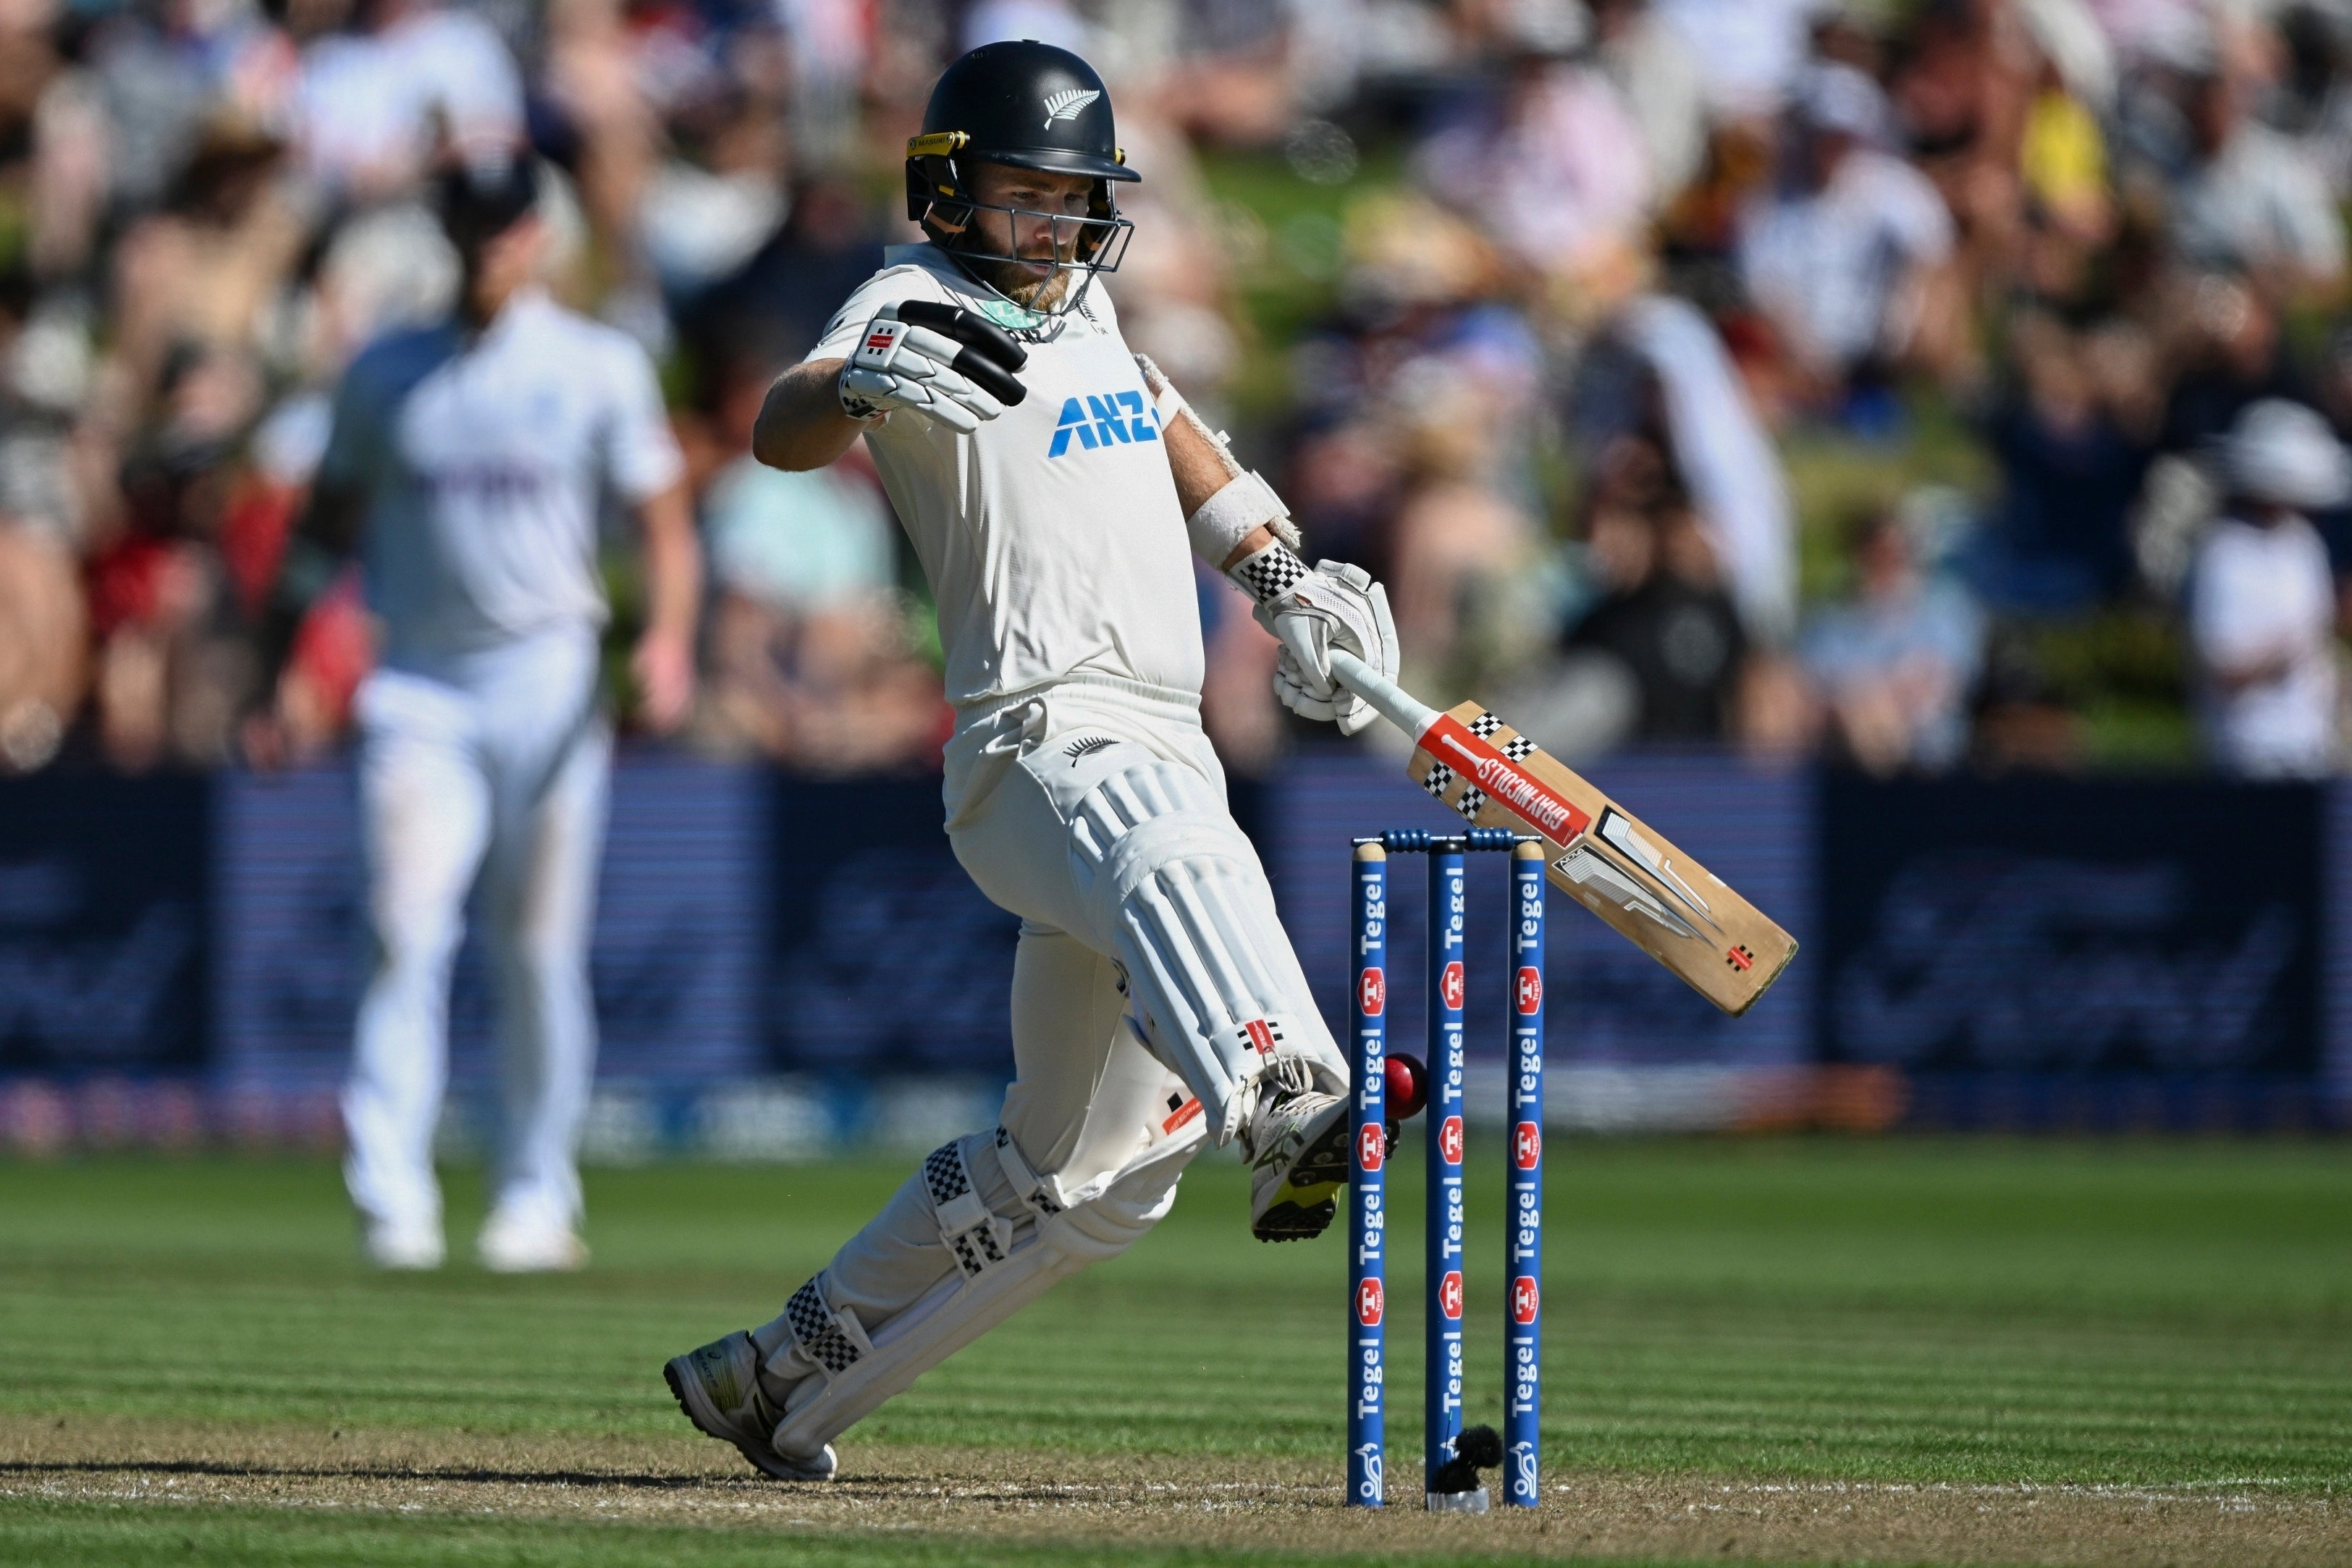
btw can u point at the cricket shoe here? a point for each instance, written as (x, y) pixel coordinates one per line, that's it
(718, 1386)
(1297, 1141)
(402, 1248)
(522, 1244)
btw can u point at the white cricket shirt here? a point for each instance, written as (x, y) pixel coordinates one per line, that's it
(483, 459)
(1052, 535)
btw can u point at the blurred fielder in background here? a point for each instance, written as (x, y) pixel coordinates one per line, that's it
(465, 468)
(1052, 482)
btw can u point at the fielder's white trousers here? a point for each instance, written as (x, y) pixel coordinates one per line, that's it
(491, 766)
(1107, 1106)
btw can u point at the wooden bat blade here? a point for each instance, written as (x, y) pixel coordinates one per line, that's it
(1603, 856)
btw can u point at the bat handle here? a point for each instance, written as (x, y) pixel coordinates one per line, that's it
(1388, 700)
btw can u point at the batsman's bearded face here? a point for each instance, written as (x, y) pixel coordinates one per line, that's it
(1035, 219)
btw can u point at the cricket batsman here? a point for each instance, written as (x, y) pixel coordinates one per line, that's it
(466, 466)
(1052, 484)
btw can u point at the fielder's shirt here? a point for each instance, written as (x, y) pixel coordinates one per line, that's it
(484, 457)
(1052, 535)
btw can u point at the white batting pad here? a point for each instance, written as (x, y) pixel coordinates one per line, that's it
(856, 1371)
(1177, 890)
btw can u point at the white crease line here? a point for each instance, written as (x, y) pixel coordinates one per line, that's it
(2186, 1492)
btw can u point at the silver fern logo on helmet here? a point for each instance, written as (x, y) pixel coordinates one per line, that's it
(1067, 104)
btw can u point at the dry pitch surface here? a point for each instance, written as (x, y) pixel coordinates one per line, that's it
(977, 1499)
(1785, 1353)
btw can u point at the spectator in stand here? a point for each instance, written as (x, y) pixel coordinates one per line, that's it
(2313, 99)
(1658, 75)
(719, 197)
(2232, 355)
(2252, 199)
(1751, 51)
(810, 662)
(2133, 198)
(2262, 606)
(44, 645)
(784, 295)
(1341, 481)
(2061, 160)
(1552, 163)
(152, 75)
(2059, 542)
(46, 370)
(2331, 393)
(1661, 368)
(1896, 662)
(1850, 255)
(174, 668)
(1421, 395)
(1457, 546)
(1664, 617)
(207, 269)
(374, 104)
(1957, 93)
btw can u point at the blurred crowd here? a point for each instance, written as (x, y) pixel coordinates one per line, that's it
(1571, 321)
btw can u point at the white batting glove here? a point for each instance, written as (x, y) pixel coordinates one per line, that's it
(1311, 613)
(939, 361)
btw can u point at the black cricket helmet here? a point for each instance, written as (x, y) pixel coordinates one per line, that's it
(1032, 106)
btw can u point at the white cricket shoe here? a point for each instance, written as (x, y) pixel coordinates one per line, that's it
(520, 1244)
(718, 1386)
(1297, 1141)
(407, 1247)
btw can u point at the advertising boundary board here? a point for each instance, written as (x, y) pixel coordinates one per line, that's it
(2046, 926)
(811, 946)
(106, 950)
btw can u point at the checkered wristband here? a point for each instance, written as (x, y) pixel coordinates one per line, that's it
(1270, 574)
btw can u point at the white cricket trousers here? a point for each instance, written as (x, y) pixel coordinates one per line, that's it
(1095, 811)
(494, 766)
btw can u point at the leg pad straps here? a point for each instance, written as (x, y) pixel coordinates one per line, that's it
(977, 1239)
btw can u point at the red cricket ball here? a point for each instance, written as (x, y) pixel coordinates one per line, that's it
(1408, 1087)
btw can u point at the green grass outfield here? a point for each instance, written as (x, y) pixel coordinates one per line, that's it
(197, 1370)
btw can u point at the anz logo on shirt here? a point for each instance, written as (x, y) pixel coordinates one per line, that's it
(1114, 417)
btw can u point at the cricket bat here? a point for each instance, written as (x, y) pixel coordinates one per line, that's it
(1597, 852)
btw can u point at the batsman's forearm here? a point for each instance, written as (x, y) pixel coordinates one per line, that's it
(1201, 466)
(1230, 514)
(801, 424)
